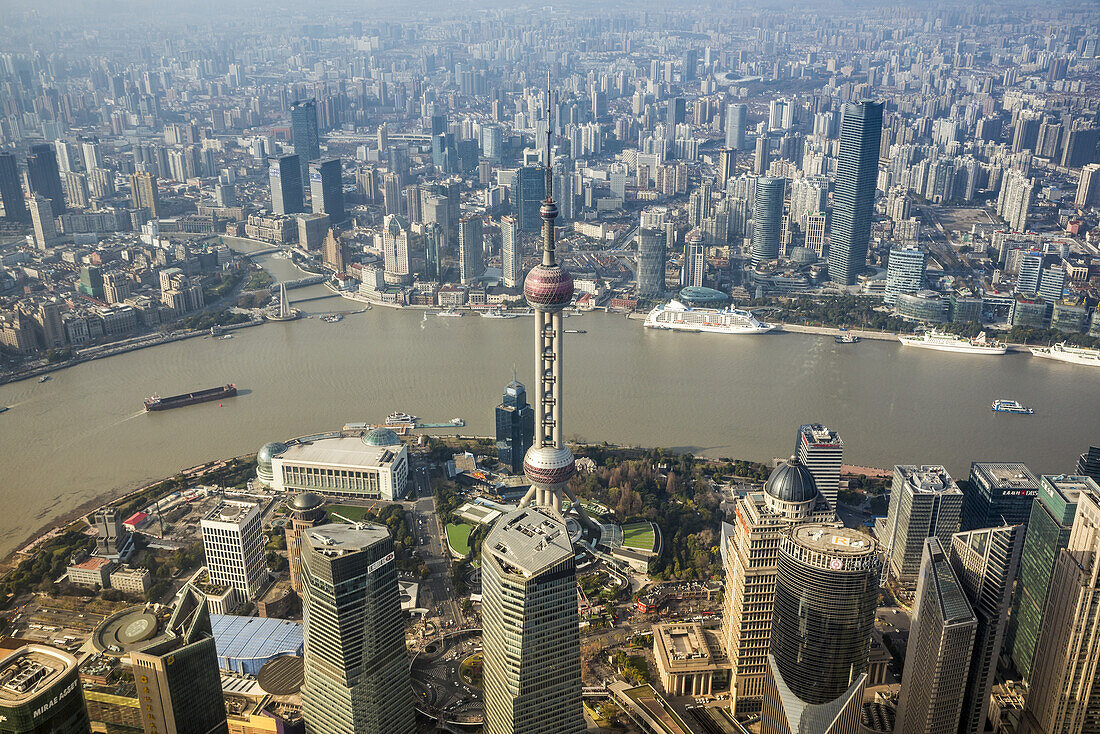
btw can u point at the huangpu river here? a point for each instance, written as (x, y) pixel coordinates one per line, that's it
(84, 433)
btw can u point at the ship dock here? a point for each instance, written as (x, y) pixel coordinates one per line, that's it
(404, 428)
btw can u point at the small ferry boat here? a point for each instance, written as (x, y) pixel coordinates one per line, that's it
(1066, 353)
(331, 318)
(458, 422)
(1010, 406)
(576, 331)
(450, 312)
(4, 409)
(44, 378)
(496, 313)
(846, 338)
(227, 336)
(399, 417)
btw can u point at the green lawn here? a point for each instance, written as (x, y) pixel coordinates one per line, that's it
(351, 512)
(639, 535)
(458, 537)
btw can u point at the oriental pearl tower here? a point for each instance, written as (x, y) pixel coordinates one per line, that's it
(549, 463)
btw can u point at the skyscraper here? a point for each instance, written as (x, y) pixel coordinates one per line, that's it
(433, 246)
(395, 249)
(854, 193)
(144, 193)
(1048, 530)
(790, 498)
(304, 133)
(904, 272)
(826, 591)
(178, 684)
(985, 563)
(528, 190)
(941, 641)
(307, 510)
(233, 541)
(726, 159)
(356, 669)
(42, 692)
(1088, 463)
(471, 250)
(1065, 690)
(767, 219)
(531, 629)
(285, 174)
(326, 188)
(515, 427)
(511, 252)
(736, 121)
(925, 502)
(998, 494)
(42, 219)
(44, 177)
(695, 259)
(822, 451)
(651, 262)
(11, 191)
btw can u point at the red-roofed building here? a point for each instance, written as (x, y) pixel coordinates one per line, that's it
(91, 572)
(135, 521)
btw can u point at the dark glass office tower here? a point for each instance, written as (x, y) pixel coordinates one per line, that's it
(177, 677)
(854, 195)
(985, 562)
(11, 192)
(304, 134)
(1089, 462)
(326, 189)
(287, 196)
(998, 494)
(651, 263)
(826, 590)
(767, 219)
(1048, 529)
(515, 427)
(44, 177)
(937, 658)
(356, 669)
(528, 191)
(677, 113)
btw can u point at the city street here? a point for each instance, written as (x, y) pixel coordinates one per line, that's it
(439, 587)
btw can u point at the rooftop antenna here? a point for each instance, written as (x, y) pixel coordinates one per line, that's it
(549, 130)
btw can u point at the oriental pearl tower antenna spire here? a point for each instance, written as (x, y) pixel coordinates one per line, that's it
(549, 463)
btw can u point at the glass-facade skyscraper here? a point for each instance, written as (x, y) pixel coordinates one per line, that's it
(826, 591)
(651, 262)
(356, 669)
(998, 494)
(528, 191)
(304, 133)
(44, 176)
(736, 119)
(515, 427)
(767, 219)
(854, 194)
(287, 195)
(904, 272)
(11, 192)
(531, 628)
(937, 658)
(326, 189)
(1048, 531)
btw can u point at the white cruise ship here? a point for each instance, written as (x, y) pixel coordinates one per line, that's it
(944, 342)
(1065, 353)
(676, 315)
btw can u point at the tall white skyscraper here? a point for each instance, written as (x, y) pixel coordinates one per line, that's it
(822, 451)
(511, 252)
(395, 248)
(234, 547)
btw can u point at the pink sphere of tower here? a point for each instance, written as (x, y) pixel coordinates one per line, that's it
(548, 288)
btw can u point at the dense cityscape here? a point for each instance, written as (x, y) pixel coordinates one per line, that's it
(927, 176)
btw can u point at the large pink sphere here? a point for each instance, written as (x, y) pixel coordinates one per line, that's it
(548, 288)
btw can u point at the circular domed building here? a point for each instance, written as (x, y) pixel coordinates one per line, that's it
(790, 490)
(264, 475)
(381, 437)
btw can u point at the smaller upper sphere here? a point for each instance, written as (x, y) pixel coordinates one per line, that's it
(268, 452)
(549, 210)
(548, 288)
